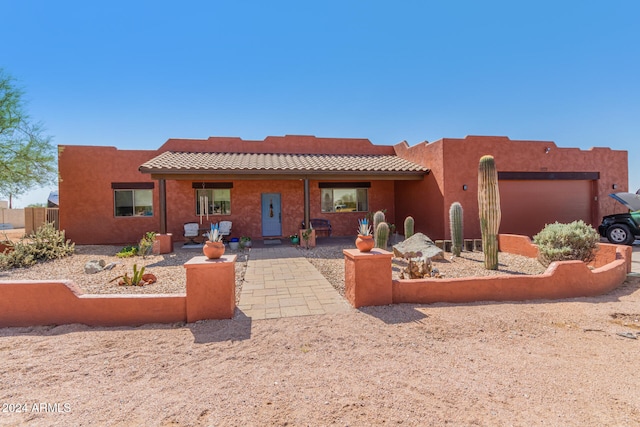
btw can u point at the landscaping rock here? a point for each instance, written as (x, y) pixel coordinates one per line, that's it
(418, 243)
(94, 266)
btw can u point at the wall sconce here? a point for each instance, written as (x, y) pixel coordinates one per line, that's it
(464, 187)
(546, 150)
(614, 186)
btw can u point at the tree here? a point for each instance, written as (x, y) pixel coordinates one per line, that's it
(27, 157)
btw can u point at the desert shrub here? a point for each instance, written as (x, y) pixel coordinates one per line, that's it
(146, 243)
(565, 242)
(45, 244)
(127, 252)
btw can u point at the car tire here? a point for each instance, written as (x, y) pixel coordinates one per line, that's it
(620, 234)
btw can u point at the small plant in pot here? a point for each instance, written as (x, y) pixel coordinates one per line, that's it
(213, 248)
(245, 242)
(234, 243)
(295, 240)
(365, 241)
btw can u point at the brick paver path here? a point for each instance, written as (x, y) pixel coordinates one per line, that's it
(279, 282)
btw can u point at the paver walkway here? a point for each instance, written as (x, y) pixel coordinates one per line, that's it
(279, 282)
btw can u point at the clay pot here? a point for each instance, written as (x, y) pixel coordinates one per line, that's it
(365, 243)
(213, 250)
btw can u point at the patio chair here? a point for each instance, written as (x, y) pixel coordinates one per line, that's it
(191, 231)
(225, 228)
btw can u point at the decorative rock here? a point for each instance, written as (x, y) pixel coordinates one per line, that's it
(110, 266)
(94, 266)
(418, 243)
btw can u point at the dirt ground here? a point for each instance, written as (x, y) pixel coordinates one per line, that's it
(559, 363)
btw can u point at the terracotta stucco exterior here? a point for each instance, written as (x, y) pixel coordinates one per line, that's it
(87, 174)
(454, 164)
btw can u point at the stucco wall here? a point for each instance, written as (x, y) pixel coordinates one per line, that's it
(86, 196)
(454, 163)
(15, 217)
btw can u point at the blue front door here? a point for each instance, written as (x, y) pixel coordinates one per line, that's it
(271, 215)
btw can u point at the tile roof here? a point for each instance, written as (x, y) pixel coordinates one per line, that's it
(171, 162)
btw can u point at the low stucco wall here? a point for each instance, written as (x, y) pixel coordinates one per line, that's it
(15, 217)
(33, 303)
(565, 279)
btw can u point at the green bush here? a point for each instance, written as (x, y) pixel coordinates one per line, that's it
(127, 252)
(45, 244)
(565, 242)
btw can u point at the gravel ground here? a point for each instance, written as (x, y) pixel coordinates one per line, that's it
(538, 363)
(168, 268)
(171, 274)
(329, 261)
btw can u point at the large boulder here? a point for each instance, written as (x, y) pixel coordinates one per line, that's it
(418, 245)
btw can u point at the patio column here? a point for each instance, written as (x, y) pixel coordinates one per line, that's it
(307, 214)
(162, 187)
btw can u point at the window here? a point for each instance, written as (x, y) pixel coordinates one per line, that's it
(211, 201)
(344, 199)
(133, 202)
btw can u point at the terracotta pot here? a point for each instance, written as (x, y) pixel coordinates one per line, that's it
(213, 250)
(365, 243)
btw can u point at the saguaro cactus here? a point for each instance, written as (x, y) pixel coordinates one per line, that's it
(489, 210)
(408, 227)
(382, 235)
(378, 218)
(455, 224)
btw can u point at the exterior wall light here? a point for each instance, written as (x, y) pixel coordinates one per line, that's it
(546, 150)
(614, 186)
(464, 187)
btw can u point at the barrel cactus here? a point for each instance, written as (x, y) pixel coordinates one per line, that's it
(382, 235)
(455, 223)
(489, 210)
(378, 218)
(408, 227)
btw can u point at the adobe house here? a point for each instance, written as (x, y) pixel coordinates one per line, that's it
(267, 188)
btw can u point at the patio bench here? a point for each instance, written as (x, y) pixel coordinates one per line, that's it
(320, 225)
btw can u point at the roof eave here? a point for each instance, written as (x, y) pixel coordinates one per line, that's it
(262, 174)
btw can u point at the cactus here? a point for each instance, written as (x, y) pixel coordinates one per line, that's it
(455, 223)
(408, 227)
(489, 210)
(382, 235)
(378, 218)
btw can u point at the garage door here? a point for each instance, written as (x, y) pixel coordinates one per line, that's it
(527, 206)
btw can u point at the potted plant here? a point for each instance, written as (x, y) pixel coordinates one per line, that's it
(245, 241)
(309, 237)
(213, 248)
(365, 241)
(295, 240)
(234, 243)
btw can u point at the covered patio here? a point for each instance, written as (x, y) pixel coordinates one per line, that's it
(270, 194)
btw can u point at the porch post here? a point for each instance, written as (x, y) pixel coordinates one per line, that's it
(162, 187)
(306, 203)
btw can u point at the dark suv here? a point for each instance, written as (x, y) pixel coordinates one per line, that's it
(623, 228)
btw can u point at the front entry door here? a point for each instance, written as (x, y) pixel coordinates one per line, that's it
(271, 215)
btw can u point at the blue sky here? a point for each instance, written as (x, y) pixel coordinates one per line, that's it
(134, 74)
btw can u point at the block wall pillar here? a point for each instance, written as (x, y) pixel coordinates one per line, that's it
(368, 277)
(211, 288)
